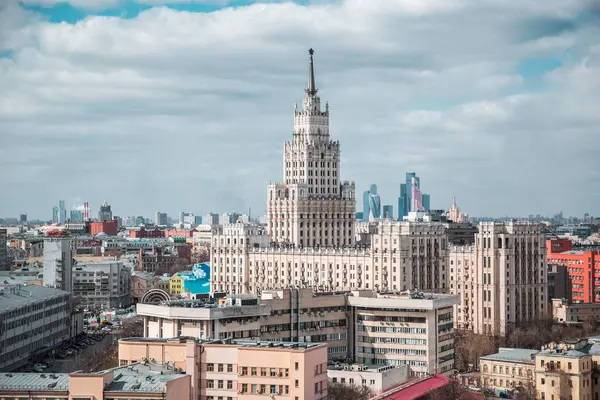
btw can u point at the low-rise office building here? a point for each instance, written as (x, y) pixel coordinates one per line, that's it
(145, 380)
(413, 329)
(222, 369)
(33, 319)
(378, 379)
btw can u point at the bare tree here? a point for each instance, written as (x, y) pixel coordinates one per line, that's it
(453, 391)
(468, 347)
(132, 327)
(341, 391)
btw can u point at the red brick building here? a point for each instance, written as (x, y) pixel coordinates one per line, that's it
(142, 233)
(111, 228)
(179, 232)
(583, 268)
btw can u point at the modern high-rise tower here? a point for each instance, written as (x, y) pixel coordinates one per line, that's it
(411, 198)
(312, 207)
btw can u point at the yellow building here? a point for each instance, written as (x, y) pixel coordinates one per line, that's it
(560, 371)
(175, 285)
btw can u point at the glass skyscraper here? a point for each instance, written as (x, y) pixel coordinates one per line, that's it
(371, 204)
(405, 201)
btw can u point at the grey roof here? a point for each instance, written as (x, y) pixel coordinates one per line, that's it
(142, 377)
(33, 381)
(568, 353)
(13, 296)
(513, 355)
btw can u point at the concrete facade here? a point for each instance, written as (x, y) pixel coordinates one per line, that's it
(102, 285)
(31, 318)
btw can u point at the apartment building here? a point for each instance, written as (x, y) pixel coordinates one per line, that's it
(501, 279)
(145, 380)
(58, 263)
(235, 369)
(413, 329)
(102, 285)
(399, 256)
(31, 318)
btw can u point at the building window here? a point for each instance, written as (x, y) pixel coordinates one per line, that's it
(210, 367)
(220, 367)
(210, 384)
(296, 365)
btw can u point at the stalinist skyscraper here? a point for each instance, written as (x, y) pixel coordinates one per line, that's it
(312, 207)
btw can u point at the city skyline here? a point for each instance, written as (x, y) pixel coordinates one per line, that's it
(469, 122)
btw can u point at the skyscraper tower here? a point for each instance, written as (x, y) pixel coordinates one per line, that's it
(312, 207)
(62, 212)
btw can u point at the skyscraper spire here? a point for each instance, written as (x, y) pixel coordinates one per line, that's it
(311, 90)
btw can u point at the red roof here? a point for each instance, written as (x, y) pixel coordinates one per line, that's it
(416, 389)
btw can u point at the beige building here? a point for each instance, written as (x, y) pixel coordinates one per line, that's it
(144, 380)
(383, 329)
(226, 369)
(400, 256)
(562, 311)
(566, 370)
(501, 279)
(508, 369)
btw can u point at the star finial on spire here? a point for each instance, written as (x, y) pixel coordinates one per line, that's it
(311, 89)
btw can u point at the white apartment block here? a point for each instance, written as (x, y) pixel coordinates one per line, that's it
(404, 329)
(379, 330)
(102, 285)
(31, 318)
(501, 279)
(58, 260)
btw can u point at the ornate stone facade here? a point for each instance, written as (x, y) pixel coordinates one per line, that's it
(312, 207)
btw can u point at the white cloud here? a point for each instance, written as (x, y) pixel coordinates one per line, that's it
(189, 110)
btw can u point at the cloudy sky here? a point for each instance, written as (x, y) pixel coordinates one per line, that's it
(184, 104)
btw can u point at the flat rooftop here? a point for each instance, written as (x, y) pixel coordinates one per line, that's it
(13, 296)
(239, 343)
(140, 377)
(17, 381)
(512, 355)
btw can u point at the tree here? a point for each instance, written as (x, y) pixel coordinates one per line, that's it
(132, 327)
(468, 347)
(341, 391)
